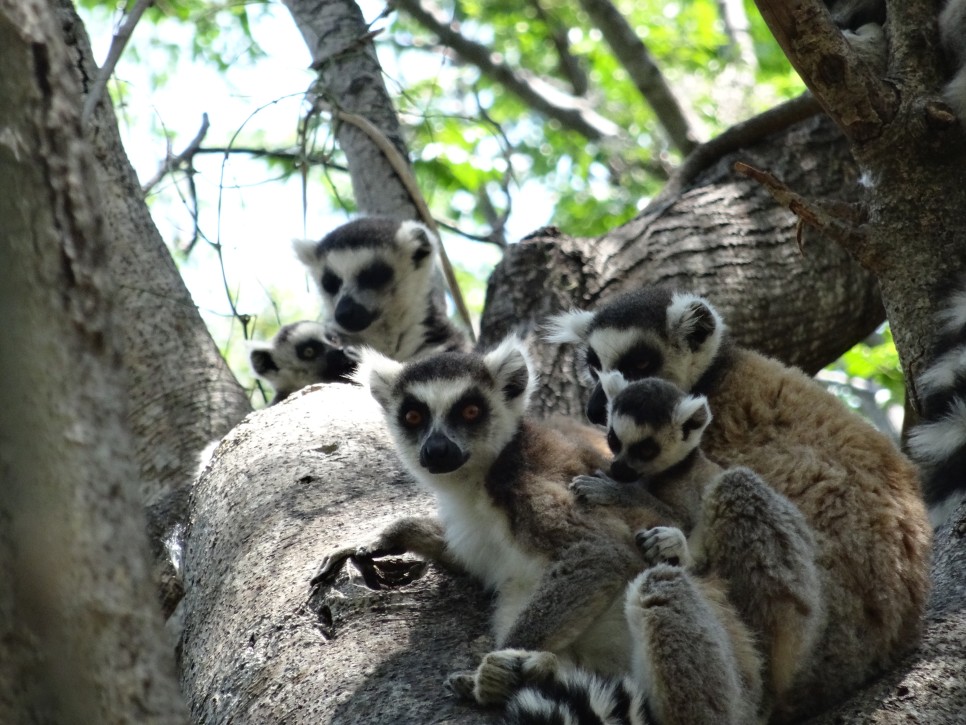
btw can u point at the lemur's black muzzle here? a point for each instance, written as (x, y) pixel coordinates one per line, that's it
(597, 406)
(352, 316)
(622, 473)
(441, 455)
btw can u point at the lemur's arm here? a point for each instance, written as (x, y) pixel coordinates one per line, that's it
(574, 591)
(420, 535)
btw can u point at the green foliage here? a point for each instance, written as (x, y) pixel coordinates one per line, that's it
(876, 360)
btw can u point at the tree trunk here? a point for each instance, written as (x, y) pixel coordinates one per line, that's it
(723, 237)
(350, 80)
(81, 637)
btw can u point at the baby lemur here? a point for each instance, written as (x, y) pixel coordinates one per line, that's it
(857, 492)
(376, 277)
(738, 527)
(560, 570)
(297, 356)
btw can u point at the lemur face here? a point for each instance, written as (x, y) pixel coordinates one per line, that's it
(652, 425)
(451, 412)
(297, 356)
(369, 270)
(647, 333)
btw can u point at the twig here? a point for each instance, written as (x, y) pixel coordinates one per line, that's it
(118, 43)
(173, 162)
(838, 222)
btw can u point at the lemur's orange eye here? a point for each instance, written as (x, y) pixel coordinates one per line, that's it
(413, 418)
(471, 412)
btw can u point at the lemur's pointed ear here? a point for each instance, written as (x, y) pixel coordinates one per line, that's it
(417, 240)
(613, 383)
(692, 414)
(509, 364)
(378, 374)
(568, 327)
(693, 321)
(307, 251)
(260, 356)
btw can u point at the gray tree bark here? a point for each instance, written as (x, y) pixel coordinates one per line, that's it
(350, 80)
(81, 636)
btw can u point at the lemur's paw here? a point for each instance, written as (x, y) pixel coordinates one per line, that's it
(596, 490)
(663, 545)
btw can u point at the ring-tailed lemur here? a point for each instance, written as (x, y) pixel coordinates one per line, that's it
(938, 442)
(297, 356)
(738, 527)
(376, 277)
(857, 492)
(560, 570)
(952, 37)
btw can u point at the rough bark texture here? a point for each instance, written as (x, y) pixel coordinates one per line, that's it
(912, 149)
(350, 79)
(289, 484)
(181, 393)
(81, 639)
(725, 238)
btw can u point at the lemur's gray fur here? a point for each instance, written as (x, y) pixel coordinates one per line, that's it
(857, 492)
(737, 526)
(560, 570)
(938, 442)
(378, 282)
(297, 356)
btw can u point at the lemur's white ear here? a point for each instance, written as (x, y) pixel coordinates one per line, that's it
(692, 415)
(509, 364)
(613, 383)
(260, 357)
(417, 240)
(378, 374)
(568, 327)
(693, 320)
(306, 250)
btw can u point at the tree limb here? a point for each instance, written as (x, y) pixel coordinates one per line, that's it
(118, 43)
(847, 88)
(637, 61)
(573, 113)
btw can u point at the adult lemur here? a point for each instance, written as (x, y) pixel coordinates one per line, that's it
(938, 443)
(376, 278)
(859, 495)
(560, 570)
(297, 356)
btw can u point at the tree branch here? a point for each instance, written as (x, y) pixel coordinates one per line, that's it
(118, 43)
(847, 88)
(838, 222)
(173, 162)
(637, 61)
(573, 113)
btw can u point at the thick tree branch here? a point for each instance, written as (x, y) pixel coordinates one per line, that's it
(637, 61)
(573, 113)
(845, 86)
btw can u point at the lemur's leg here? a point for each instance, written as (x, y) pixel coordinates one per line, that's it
(760, 544)
(573, 593)
(692, 658)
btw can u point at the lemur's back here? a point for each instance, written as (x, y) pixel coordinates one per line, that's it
(857, 491)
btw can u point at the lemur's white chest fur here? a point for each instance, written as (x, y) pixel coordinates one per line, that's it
(478, 534)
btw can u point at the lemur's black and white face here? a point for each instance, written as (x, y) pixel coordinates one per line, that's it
(652, 425)
(647, 333)
(370, 272)
(297, 356)
(451, 412)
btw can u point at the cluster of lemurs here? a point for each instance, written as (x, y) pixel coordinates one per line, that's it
(738, 547)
